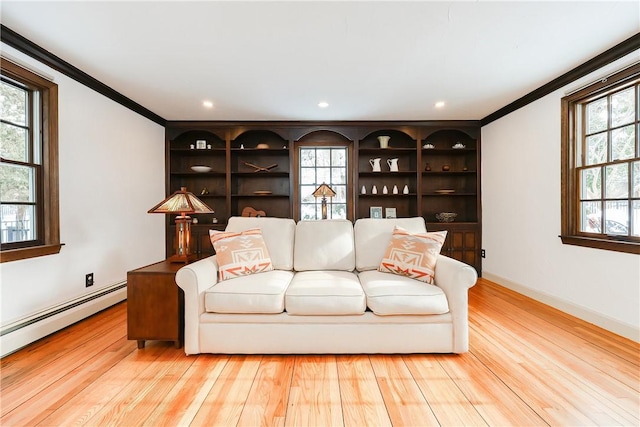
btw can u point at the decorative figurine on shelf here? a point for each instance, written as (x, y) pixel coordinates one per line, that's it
(242, 146)
(260, 168)
(214, 220)
(427, 167)
(251, 212)
(194, 221)
(446, 168)
(204, 191)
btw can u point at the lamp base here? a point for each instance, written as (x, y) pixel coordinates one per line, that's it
(185, 259)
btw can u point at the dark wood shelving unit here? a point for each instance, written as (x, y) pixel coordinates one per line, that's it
(232, 181)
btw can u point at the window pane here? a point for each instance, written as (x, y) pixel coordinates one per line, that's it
(591, 183)
(341, 193)
(623, 107)
(636, 179)
(307, 157)
(323, 157)
(308, 211)
(635, 217)
(590, 218)
(13, 104)
(339, 157)
(17, 183)
(324, 175)
(617, 181)
(623, 143)
(13, 142)
(596, 149)
(339, 211)
(307, 176)
(306, 193)
(597, 115)
(338, 176)
(616, 217)
(17, 223)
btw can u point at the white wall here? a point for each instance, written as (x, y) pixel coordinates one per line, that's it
(111, 172)
(521, 222)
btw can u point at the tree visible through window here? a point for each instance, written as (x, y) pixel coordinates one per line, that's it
(602, 156)
(29, 218)
(323, 165)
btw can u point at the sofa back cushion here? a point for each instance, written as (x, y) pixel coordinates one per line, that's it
(278, 234)
(372, 237)
(324, 245)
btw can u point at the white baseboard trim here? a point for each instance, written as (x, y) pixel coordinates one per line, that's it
(25, 331)
(617, 327)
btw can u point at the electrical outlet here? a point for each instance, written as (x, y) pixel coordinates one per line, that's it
(88, 280)
(483, 253)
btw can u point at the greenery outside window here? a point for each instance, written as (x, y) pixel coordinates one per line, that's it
(323, 165)
(601, 164)
(29, 217)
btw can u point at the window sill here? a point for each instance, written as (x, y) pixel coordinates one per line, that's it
(31, 252)
(609, 245)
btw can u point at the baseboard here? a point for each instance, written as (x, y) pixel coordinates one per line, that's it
(25, 331)
(598, 319)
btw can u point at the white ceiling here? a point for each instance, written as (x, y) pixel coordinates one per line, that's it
(369, 60)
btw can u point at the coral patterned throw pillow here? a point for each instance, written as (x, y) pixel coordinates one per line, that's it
(413, 255)
(240, 253)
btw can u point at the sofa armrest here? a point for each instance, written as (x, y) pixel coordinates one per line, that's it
(455, 278)
(194, 279)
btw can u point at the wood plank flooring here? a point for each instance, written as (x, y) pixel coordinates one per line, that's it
(528, 364)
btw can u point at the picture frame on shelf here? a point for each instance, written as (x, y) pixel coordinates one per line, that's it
(390, 213)
(201, 144)
(375, 212)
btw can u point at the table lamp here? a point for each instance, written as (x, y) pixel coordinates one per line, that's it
(183, 203)
(324, 191)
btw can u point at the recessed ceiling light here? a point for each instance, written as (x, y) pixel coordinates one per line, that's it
(439, 104)
(323, 104)
(207, 104)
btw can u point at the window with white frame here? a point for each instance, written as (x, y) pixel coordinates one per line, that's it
(601, 164)
(318, 165)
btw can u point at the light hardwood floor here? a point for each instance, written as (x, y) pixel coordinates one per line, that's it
(528, 365)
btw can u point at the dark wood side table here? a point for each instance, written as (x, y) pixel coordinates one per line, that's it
(155, 304)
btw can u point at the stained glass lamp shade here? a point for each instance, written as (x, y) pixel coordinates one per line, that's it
(182, 203)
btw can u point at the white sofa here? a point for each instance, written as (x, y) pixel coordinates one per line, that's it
(325, 295)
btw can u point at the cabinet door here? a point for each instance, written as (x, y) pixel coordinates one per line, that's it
(462, 246)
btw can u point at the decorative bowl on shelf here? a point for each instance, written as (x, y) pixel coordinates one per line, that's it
(459, 146)
(446, 216)
(200, 169)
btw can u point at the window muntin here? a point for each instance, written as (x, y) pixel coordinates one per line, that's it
(323, 164)
(601, 200)
(29, 215)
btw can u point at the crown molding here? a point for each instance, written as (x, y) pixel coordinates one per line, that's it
(31, 49)
(618, 51)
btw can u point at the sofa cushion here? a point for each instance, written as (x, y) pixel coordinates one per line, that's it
(259, 293)
(278, 234)
(324, 245)
(390, 294)
(413, 255)
(325, 293)
(240, 253)
(372, 238)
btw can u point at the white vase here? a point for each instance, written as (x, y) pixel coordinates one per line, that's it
(405, 190)
(384, 190)
(384, 141)
(374, 190)
(395, 189)
(364, 190)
